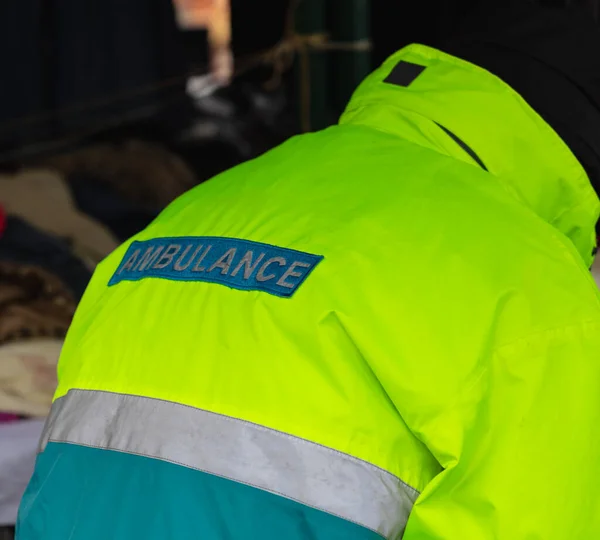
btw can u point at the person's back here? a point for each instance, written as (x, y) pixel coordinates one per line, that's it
(385, 329)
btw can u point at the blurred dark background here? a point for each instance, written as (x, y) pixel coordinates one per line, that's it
(76, 69)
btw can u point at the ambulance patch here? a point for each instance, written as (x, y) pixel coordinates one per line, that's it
(239, 264)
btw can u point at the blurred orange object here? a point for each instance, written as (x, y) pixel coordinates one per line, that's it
(215, 17)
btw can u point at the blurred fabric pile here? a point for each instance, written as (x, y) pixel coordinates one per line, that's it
(56, 225)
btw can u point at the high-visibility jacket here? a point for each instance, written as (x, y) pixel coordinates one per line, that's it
(387, 329)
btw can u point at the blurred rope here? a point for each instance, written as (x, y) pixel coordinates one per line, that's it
(245, 64)
(293, 44)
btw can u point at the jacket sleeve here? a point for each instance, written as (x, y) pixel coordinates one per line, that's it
(520, 446)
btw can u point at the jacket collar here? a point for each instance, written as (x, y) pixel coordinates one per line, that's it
(507, 135)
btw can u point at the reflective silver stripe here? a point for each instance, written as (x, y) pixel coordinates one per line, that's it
(306, 472)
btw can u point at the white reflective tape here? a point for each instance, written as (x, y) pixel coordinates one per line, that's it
(294, 468)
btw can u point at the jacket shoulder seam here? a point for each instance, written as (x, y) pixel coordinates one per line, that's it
(548, 333)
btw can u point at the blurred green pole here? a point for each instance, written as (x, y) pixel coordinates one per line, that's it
(311, 70)
(350, 23)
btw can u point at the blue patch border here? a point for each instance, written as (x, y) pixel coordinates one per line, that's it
(160, 274)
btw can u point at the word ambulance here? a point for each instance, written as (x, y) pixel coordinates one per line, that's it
(239, 264)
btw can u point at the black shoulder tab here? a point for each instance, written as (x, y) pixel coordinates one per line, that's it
(404, 73)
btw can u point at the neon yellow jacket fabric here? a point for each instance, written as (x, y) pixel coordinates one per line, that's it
(410, 343)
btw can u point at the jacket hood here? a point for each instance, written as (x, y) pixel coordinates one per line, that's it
(493, 122)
